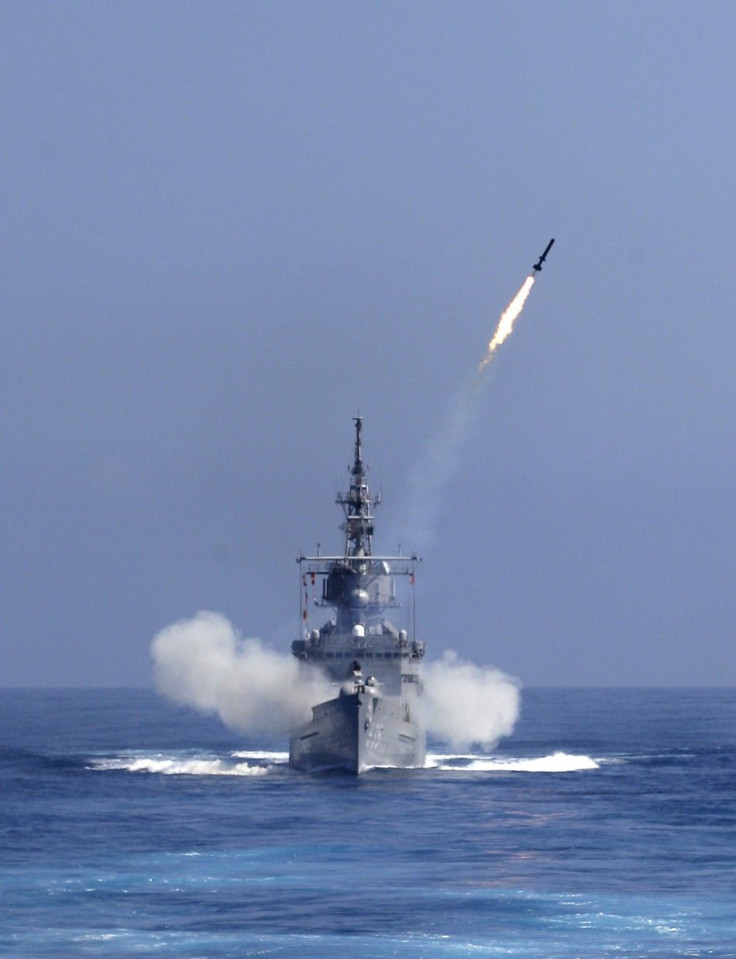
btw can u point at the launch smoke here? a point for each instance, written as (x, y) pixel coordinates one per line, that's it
(204, 663)
(469, 705)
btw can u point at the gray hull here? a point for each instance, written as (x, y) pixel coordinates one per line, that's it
(358, 731)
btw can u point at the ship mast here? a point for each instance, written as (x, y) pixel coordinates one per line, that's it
(357, 584)
(358, 504)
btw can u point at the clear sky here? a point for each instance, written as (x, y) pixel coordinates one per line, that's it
(230, 227)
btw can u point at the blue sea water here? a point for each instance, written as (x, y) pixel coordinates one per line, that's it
(605, 826)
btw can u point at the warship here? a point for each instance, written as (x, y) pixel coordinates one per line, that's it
(375, 717)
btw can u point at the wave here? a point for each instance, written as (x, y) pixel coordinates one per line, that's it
(259, 762)
(241, 763)
(558, 762)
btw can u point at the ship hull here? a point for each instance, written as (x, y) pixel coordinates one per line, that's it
(358, 731)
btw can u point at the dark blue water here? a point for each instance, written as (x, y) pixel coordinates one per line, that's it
(606, 826)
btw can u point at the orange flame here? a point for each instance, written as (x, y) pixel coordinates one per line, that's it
(506, 322)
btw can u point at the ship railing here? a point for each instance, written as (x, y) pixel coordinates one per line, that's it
(396, 565)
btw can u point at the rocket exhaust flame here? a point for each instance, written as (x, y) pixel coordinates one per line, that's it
(509, 315)
(506, 322)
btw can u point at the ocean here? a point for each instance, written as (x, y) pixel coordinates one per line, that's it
(604, 826)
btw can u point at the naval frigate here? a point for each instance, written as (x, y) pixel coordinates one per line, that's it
(375, 717)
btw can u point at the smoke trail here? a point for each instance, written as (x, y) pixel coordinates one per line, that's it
(203, 663)
(469, 704)
(442, 454)
(418, 517)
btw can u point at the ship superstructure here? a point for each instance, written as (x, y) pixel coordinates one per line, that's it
(375, 717)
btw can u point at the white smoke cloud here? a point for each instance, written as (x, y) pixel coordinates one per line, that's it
(467, 704)
(204, 663)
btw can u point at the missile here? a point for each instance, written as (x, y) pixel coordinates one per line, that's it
(538, 265)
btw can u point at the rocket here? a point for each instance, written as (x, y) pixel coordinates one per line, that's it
(538, 265)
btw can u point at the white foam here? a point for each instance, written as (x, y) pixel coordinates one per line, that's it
(558, 762)
(258, 762)
(262, 755)
(189, 765)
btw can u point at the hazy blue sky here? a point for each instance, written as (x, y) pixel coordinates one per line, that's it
(229, 227)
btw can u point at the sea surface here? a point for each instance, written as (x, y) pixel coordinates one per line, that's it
(605, 826)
